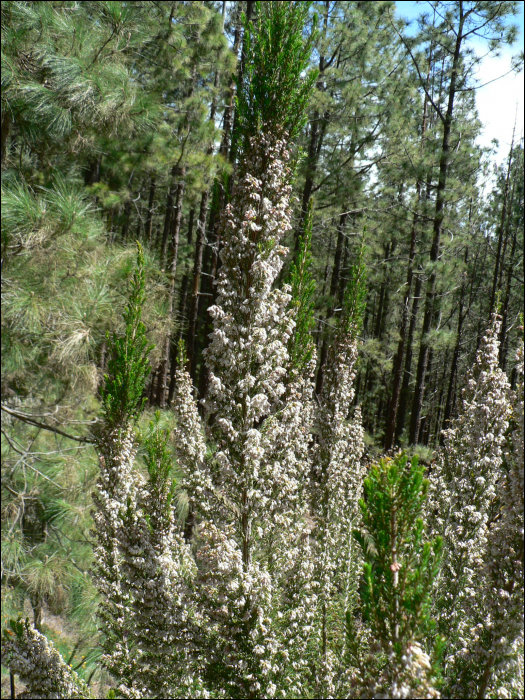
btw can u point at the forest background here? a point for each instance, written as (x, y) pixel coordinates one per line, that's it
(119, 124)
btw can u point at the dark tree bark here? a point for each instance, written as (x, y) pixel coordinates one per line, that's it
(151, 205)
(334, 284)
(197, 269)
(390, 429)
(6, 123)
(175, 231)
(505, 307)
(435, 429)
(403, 397)
(125, 225)
(172, 189)
(501, 230)
(455, 356)
(417, 403)
(398, 360)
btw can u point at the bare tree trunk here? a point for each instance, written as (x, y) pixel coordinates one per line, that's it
(151, 203)
(417, 403)
(336, 271)
(167, 218)
(403, 397)
(6, 123)
(197, 268)
(505, 308)
(502, 229)
(175, 231)
(455, 356)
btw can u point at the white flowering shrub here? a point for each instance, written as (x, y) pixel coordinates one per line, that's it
(294, 575)
(488, 664)
(337, 482)
(39, 665)
(252, 549)
(467, 485)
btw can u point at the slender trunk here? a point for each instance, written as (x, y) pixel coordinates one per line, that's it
(6, 123)
(343, 278)
(151, 204)
(435, 429)
(125, 225)
(163, 374)
(336, 271)
(36, 604)
(197, 269)
(317, 133)
(403, 397)
(424, 428)
(334, 284)
(398, 361)
(167, 218)
(505, 308)
(501, 231)
(455, 356)
(417, 403)
(235, 128)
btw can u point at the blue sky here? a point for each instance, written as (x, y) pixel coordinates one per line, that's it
(500, 102)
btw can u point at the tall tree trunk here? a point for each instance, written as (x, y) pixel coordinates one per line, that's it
(501, 230)
(455, 356)
(435, 429)
(175, 231)
(197, 269)
(181, 315)
(419, 392)
(398, 360)
(403, 397)
(6, 123)
(505, 308)
(125, 225)
(334, 284)
(235, 128)
(151, 204)
(317, 133)
(172, 189)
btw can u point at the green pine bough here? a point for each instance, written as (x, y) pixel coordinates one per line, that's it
(399, 569)
(128, 366)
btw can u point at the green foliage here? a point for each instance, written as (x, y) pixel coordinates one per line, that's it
(354, 302)
(303, 288)
(400, 566)
(159, 460)
(128, 364)
(273, 91)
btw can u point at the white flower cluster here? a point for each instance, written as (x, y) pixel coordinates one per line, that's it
(495, 639)
(116, 494)
(40, 666)
(337, 486)
(463, 492)
(254, 586)
(142, 566)
(407, 678)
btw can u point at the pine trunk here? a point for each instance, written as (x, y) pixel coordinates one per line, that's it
(417, 404)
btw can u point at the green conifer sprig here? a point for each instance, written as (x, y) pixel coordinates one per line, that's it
(354, 301)
(128, 366)
(158, 462)
(275, 89)
(303, 288)
(400, 566)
